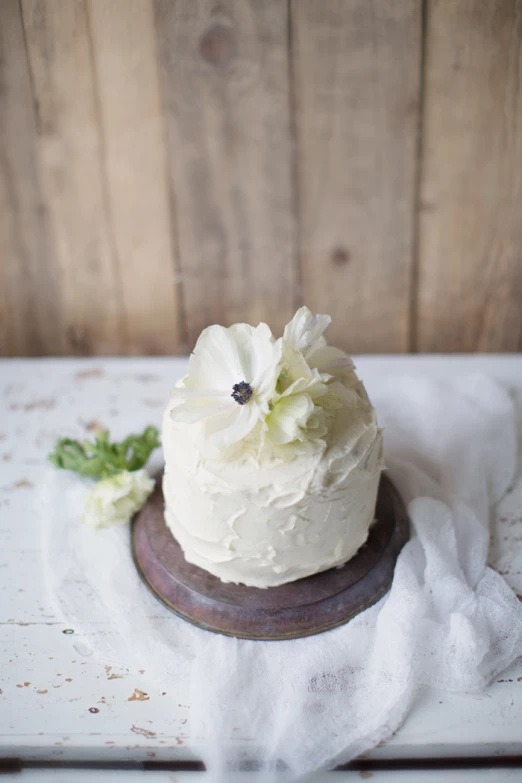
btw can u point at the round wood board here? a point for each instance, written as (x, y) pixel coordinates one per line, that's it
(302, 608)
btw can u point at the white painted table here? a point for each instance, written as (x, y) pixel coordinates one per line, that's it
(49, 679)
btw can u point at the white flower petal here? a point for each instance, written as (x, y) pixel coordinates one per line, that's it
(295, 329)
(114, 500)
(193, 395)
(338, 395)
(296, 364)
(242, 334)
(328, 359)
(191, 412)
(266, 352)
(317, 425)
(215, 362)
(288, 417)
(305, 329)
(315, 328)
(300, 377)
(233, 427)
(314, 387)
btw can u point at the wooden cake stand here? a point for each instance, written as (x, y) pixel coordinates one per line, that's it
(302, 608)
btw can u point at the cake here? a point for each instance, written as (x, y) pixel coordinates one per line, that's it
(272, 454)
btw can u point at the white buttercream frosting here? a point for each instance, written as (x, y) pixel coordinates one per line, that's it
(261, 520)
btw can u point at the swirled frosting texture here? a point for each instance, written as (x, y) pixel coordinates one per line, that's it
(265, 521)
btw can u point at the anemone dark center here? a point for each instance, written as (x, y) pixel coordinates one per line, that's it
(242, 392)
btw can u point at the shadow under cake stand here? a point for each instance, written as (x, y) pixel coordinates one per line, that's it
(302, 608)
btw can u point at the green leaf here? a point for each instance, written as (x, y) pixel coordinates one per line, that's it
(102, 458)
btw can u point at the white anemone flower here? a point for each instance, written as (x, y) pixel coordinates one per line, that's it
(304, 333)
(230, 383)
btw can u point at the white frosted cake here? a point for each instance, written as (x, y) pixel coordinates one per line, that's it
(272, 454)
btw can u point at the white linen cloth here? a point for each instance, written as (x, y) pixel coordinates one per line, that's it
(447, 621)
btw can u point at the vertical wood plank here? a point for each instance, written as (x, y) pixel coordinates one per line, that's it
(357, 82)
(30, 321)
(470, 263)
(124, 47)
(72, 174)
(225, 79)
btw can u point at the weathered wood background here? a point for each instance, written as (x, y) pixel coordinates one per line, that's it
(165, 165)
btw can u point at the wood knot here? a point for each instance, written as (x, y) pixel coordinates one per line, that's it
(340, 256)
(217, 45)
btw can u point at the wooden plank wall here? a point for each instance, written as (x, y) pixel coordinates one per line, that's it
(166, 164)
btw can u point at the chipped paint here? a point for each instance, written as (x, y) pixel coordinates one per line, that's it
(144, 732)
(43, 691)
(20, 484)
(138, 696)
(93, 425)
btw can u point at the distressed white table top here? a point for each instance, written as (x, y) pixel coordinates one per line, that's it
(50, 680)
